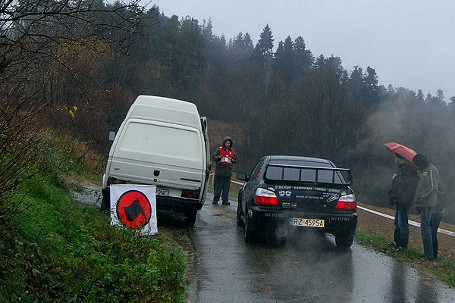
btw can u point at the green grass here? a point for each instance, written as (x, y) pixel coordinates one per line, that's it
(53, 250)
(441, 268)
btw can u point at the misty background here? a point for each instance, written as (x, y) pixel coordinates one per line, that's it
(78, 69)
(408, 42)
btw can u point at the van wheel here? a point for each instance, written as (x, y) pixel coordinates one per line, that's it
(190, 217)
(105, 201)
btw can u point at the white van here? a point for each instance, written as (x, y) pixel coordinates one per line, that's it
(162, 142)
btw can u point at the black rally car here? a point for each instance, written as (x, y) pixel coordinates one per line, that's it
(284, 194)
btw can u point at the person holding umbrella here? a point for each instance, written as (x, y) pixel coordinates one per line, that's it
(404, 184)
(401, 194)
(425, 199)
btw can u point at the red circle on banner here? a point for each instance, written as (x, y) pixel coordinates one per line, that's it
(134, 209)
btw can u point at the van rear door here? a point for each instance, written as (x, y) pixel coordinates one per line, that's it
(160, 153)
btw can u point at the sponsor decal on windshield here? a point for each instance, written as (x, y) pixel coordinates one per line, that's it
(322, 189)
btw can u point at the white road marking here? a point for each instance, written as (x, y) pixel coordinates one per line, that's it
(413, 223)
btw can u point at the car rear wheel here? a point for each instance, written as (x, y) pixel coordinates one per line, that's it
(250, 235)
(344, 241)
(239, 215)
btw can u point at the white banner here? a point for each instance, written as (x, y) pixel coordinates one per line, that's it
(134, 206)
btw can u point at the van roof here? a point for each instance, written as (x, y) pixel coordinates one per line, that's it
(164, 109)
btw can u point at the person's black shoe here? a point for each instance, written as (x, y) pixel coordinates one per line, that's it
(214, 202)
(226, 203)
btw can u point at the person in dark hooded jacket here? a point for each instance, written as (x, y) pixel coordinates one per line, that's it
(404, 184)
(225, 157)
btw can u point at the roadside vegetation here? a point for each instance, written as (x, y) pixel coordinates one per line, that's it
(441, 268)
(54, 250)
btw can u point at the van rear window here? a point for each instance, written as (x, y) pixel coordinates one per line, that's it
(163, 140)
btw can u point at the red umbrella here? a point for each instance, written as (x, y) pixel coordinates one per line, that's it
(402, 150)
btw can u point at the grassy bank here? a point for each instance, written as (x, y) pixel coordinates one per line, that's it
(442, 268)
(53, 250)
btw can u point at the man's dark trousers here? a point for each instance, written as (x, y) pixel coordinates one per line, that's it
(222, 185)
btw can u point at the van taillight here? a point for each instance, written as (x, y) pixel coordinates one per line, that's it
(112, 180)
(192, 194)
(346, 202)
(266, 197)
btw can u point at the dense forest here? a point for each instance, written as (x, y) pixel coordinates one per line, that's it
(77, 66)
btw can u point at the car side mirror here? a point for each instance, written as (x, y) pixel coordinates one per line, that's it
(242, 176)
(111, 136)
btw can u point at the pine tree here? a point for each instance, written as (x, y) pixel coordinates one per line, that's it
(284, 59)
(303, 58)
(264, 47)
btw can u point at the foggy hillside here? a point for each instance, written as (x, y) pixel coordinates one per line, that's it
(80, 74)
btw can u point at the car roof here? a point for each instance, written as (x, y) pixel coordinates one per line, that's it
(298, 158)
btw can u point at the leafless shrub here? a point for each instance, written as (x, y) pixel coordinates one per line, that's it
(36, 39)
(21, 142)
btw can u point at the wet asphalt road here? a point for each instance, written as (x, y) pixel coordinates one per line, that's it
(223, 268)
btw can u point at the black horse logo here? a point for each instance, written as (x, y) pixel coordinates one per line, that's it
(134, 210)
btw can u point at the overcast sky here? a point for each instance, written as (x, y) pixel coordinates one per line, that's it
(410, 43)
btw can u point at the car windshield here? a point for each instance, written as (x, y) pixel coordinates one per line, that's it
(323, 173)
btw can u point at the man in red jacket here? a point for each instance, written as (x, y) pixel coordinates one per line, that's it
(225, 157)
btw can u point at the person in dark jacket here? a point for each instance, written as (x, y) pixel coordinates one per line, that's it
(425, 200)
(225, 157)
(404, 184)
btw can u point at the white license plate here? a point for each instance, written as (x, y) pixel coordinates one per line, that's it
(162, 192)
(308, 222)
